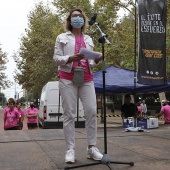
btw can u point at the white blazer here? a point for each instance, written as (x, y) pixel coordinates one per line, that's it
(65, 47)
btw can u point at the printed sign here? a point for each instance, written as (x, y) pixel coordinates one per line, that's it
(152, 42)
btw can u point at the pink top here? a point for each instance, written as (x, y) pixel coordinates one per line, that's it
(166, 111)
(88, 76)
(6, 108)
(11, 118)
(140, 109)
(21, 112)
(32, 111)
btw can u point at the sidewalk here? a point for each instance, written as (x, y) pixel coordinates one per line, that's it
(44, 149)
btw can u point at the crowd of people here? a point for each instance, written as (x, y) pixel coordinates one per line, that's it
(14, 116)
(139, 109)
(130, 109)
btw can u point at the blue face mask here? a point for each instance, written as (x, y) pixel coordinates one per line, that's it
(77, 22)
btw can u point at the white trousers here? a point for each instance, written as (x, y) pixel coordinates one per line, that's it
(86, 93)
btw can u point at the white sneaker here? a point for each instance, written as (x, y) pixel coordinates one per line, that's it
(70, 156)
(94, 153)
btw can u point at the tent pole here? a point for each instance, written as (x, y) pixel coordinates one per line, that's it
(135, 69)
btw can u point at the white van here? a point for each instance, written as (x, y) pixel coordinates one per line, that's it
(50, 109)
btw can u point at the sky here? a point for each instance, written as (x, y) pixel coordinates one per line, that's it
(13, 21)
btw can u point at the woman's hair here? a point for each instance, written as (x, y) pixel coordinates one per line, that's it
(11, 102)
(10, 99)
(19, 103)
(68, 20)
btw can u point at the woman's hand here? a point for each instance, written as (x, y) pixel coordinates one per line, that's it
(98, 59)
(76, 57)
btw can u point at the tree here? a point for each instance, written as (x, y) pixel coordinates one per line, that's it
(2, 99)
(106, 18)
(63, 7)
(4, 82)
(22, 100)
(122, 51)
(35, 57)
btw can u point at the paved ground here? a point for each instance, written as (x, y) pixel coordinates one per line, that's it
(44, 149)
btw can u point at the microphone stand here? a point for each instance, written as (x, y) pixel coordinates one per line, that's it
(105, 159)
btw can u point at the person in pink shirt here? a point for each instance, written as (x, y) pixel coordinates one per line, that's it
(22, 115)
(139, 108)
(165, 110)
(32, 114)
(7, 107)
(11, 116)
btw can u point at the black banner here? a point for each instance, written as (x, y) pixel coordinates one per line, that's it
(152, 42)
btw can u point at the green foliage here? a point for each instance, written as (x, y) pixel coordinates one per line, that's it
(4, 82)
(109, 105)
(64, 7)
(122, 50)
(2, 99)
(119, 32)
(35, 58)
(22, 100)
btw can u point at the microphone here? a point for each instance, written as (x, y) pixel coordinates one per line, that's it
(93, 19)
